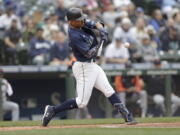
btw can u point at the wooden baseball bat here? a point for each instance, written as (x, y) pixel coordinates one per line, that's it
(100, 49)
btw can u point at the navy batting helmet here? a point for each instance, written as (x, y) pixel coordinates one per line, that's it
(75, 14)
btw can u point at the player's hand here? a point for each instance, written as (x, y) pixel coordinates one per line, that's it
(103, 34)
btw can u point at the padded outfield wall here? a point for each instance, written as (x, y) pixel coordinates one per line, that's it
(33, 90)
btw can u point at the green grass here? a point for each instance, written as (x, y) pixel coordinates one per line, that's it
(93, 131)
(89, 121)
(96, 131)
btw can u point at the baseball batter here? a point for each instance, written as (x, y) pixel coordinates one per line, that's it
(87, 73)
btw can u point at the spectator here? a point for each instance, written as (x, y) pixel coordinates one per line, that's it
(89, 4)
(113, 12)
(130, 86)
(50, 24)
(61, 10)
(156, 43)
(53, 19)
(46, 27)
(46, 2)
(176, 18)
(1, 5)
(12, 38)
(131, 12)
(123, 31)
(1, 11)
(29, 31)
(157, 20)
(155, 86)
(140, 14)
(168, 3)
(39, 48)
(70, 3)
(133, 51)
(147, 51)
(60, 51)
(137, 13)
(138, 31)
(169, 23)
(53, 34)
(170, 39)
(121, 3)
(6, 19)
(110, 15)
(116, 53)
(2, 53)
(104, 4)
(96, 15)
(6, 104)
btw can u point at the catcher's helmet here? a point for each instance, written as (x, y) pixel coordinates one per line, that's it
(75, 14)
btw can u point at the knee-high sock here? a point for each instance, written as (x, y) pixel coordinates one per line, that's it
(67, 105)
(116, 102)
(114, 99)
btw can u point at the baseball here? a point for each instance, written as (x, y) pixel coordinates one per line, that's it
(126, 44)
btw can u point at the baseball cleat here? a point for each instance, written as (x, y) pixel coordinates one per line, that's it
(48, 115)
(125, 113)
(130, 120)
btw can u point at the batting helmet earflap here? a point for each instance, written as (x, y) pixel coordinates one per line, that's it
(75, 14)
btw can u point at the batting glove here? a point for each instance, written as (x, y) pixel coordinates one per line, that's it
(103, 35)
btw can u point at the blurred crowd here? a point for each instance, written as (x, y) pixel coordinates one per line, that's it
(39, 36)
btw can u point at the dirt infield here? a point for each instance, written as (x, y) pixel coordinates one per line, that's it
(140, 125)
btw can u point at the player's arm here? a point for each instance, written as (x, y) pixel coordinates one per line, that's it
(92, 24)
(102, 31)
(99, 26)
(92, 52)
(81, 45)
(104, 38)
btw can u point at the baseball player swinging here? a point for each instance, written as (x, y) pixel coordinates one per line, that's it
(87, 73)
